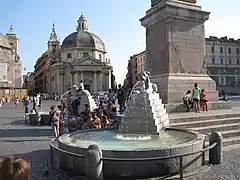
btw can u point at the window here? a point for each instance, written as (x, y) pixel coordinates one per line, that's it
(100, 57)
(213, 60)
(212, 49)
(222, 81)
(229, 61)
(222, 77)
(238, 61)
(237, 50)
(69, 55)
(221, 50)
(221, 60)
(85, 54)
(229, 50)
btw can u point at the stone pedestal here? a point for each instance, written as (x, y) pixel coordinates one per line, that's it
(86, 98)
(175, 49)
(144, 114)
(173, 86)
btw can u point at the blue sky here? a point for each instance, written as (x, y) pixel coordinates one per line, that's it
(116, 22)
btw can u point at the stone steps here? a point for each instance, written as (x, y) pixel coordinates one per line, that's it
(230, 133)
(227, 124)
(193, 117)
(221, 127)
(232, 141)
(205, 123)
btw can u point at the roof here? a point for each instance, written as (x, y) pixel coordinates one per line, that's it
(83, 39)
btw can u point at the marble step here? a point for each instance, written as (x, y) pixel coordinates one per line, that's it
(219, 127)
(232, 141)
(163, 125)
(141, 113)
(155, 102)
(144, 120)
(228, 133)
(133, 124)
(153, 96)
(151, 103)
(149, 108)
(205, 123)
(176, 117)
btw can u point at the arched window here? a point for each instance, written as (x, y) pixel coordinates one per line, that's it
(222, 77)
(237, 76)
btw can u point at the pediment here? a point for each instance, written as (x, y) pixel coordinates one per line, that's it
(88, 61)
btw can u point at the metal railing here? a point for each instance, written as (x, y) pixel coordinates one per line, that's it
(180, 156)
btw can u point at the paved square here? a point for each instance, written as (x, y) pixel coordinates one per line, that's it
(33, 143)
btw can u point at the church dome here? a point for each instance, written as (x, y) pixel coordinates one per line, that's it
(83, 38)
(4, 41)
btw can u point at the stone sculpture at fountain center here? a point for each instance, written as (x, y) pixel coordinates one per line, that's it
(84, 97)
(145, 113)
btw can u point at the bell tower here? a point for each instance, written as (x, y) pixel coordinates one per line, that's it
(12, 39)
(53, 46)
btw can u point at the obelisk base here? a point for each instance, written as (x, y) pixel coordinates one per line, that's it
(172, 87)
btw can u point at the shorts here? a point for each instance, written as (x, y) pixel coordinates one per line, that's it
(195, 100)
(54, 124)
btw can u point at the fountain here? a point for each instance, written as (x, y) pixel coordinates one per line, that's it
(143, 133)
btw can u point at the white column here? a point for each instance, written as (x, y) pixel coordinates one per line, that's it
(75, 82)
(61, 84)
(56, 82)
(109, 79)
(48, 82)
(72, 80)
(52, 81)
(81, 75)
(100, 81)
(95, 81)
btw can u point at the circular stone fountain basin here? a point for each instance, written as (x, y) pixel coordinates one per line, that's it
(170, 142)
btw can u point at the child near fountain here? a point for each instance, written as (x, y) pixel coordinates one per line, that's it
(203, 100)
(55, 121)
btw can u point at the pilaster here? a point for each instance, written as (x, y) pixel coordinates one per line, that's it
(100, 81)
(95, 81)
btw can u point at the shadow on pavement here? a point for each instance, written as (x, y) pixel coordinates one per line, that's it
(25, 132)
(16, 122)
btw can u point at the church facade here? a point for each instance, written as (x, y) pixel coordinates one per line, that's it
(80, 57)
(10, 64)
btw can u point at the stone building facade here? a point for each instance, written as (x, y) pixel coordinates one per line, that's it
(223, 63)
(29, 83)
(131, 72)
(10, 63)
(80, 57)
(141, 61)
(39, 73)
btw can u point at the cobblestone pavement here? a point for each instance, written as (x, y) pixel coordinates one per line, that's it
(33, 143)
